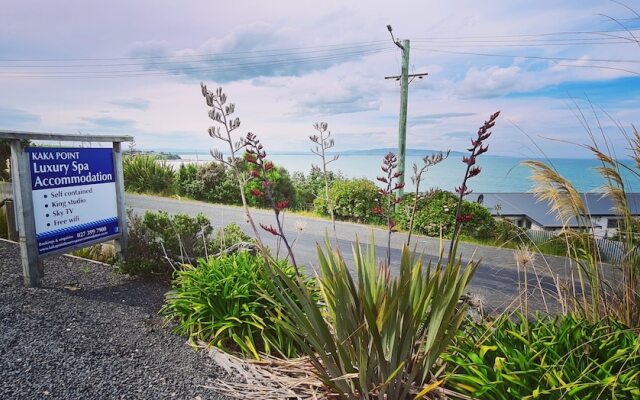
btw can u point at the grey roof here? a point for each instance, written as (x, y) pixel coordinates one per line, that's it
(526, 204)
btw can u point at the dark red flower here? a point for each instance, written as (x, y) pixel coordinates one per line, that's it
(256, 192)
(270, 229)
(463, 190)
(378, 210)
(281, 205)
(268, 166)
(398, 186)
(255, 173)
(382, 179)
(474, 172)
(469, 160)
(483, 150)
(464, 217)
(251, 158)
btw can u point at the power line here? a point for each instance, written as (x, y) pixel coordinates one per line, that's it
(175, 71)
(355, 44)
(527, 57)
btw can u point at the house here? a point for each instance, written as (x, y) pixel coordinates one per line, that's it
(526, 211)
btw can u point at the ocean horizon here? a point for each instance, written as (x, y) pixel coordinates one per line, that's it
(499, 174)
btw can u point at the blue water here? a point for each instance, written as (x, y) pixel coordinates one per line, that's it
(499, 174)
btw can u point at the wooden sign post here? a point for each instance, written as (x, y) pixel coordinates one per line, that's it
(66, 197)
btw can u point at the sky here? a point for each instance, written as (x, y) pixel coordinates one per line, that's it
(554, 68)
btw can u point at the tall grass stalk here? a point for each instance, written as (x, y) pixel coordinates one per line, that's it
(597, 297)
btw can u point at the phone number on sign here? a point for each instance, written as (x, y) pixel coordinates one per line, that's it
(91, 232)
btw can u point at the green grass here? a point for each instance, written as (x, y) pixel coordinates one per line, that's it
(564, 358)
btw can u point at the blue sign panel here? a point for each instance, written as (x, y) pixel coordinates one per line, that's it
(74, 196)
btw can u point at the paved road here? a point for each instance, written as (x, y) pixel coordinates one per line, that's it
(495, 281)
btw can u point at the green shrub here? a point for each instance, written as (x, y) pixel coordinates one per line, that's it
(147, 174)
(565, 358)
(507, 232)
(353, 200)
(158, 235)
(436, 214)
(187, 181)
(223, 301)
(311, 186)
(226, 237)
(282, 188)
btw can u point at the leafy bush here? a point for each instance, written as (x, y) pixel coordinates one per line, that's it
(507, 232)
(223, 301)
(226, 237)
(311, 186)
(188, 183)
(282, 188)
(565, 358)
(437, 212)
(147, 174)
(3, 223)
(353, 199)
(158, 235)
(378, 336)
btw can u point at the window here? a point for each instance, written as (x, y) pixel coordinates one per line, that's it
(613, 223)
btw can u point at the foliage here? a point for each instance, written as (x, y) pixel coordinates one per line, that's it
(262, 174)
(378, 336)
(597, 295)
(5, 158)
(157, 236)
(435, 214)
(507, 232)
(309, 187)
(566, 358)
(353, 199)
(223, 301)
(188, 183)
(282, 187)
(147, 174)
(212, 182)
(227, 237)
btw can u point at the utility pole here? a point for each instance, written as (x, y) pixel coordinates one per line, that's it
(404, 99)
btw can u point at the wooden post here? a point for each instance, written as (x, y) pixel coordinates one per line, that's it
(402, 124)
(31, 265)
(121, 243)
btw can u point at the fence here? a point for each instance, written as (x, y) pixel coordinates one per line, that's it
(611, 251)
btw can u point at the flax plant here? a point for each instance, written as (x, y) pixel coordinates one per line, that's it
(427, 162)
(477, 149)
(378, 335)
(256, 155)
(220, 113)
(323, 143)
(389, 200)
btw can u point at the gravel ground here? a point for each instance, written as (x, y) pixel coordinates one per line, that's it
(103, 341)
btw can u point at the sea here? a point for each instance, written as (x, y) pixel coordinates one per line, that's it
(498, 174)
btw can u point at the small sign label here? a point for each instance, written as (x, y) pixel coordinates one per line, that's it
(74, 196)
